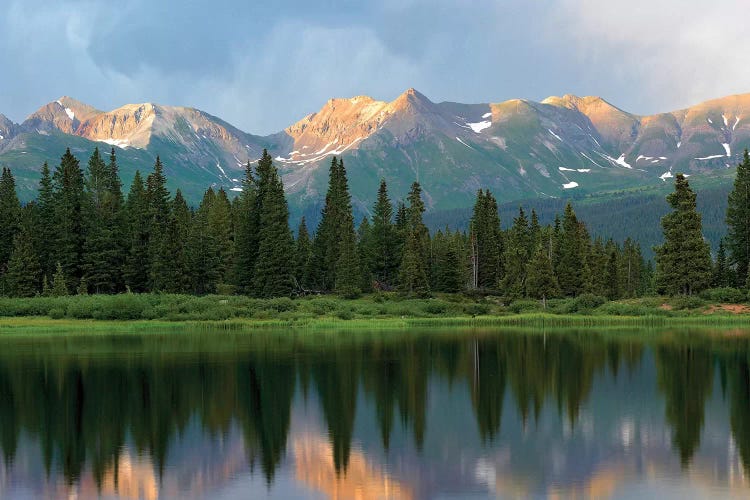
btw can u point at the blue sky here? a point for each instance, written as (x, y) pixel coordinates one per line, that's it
(263, 65)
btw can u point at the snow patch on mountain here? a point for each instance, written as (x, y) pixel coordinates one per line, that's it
(462, 142)
(324, 148)
(218, 165)
(710, 157)
(581, 170)
(619, 161)
(479, 126)
(486, 115)
(727, 149)
(120, 143)
(570, 185)
(555, 135)
(736, 121)
(665, 175)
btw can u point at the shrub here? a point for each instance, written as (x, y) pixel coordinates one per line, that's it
(435, 308)
(476, 309)
(122, 307)
(690, 302)
(589, 301)
(345, 314)
(57, 313)
(80, 309)
(732, 295)
(281, 304)
(521, 306)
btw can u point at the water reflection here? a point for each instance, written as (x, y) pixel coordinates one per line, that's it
(393, 416)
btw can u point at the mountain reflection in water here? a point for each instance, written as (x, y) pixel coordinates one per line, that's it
(402, 416)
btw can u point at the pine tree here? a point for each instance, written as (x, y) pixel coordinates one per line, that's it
(246, 230)
(220, 224)
(597, 260)
(516, 256)
(446, 266)
(722, 274)
(59, 285)
(631, 269)
(412, 274)
(413, 277)
(135, 270)
(400, 232)
(159, 255)
(10, 210)
(541, 282)
(738, 220)
(83, 287)
(683, 262)
(486, 236)
(384, 254)
(179, 236)
(613, 274)
(569, 266)
(203, 249)
(365, 251)
(46, 228)
(326, 245)
(274, 269)
(348, 272)
(68, 195)
(303, 252)
(102, 252)
(23, 276)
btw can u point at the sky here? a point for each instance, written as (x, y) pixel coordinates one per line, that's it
(262, 66)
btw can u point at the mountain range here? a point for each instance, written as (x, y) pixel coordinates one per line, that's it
(565, 146)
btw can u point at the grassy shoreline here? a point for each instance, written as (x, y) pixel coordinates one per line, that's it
(34, 325)
(108, 315)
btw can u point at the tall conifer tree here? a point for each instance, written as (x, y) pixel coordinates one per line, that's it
(738, 220)
(159, 248)
(683, 262)
(413, 278)
(135, 270)
(46, 228)
(384, 259)
(274, 269)
(68, 200)
(486, 235)
(10, 210)
(246, 230)
(24, 275)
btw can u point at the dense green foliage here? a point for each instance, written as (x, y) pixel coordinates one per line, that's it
(151, 241)
(683, 262)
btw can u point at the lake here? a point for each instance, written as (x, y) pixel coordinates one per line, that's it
(404, 415)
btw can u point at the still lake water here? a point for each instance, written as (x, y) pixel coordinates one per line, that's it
(415, 415)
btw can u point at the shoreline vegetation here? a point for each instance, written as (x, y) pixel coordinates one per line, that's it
(165, 313)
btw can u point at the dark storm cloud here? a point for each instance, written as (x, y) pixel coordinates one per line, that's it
(263, 65)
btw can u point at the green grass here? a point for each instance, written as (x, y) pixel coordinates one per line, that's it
(132, 313)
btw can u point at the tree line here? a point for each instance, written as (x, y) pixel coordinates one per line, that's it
(83, 235)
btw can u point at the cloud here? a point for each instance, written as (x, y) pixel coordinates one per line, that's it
(263, 65)
(658, 55)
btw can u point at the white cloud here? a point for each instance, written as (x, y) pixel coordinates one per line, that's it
(679, 52)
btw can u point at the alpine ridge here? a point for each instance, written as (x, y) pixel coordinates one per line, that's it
(517, 148)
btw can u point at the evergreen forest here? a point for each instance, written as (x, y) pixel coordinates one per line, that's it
(84, 235)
